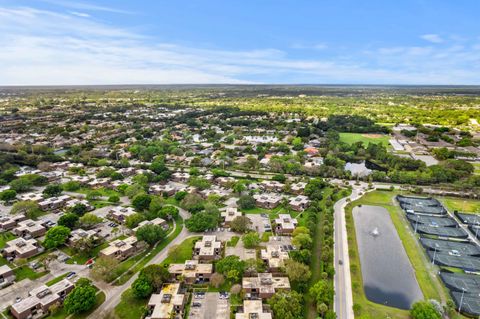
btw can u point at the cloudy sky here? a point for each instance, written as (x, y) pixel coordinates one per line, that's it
(55, 42)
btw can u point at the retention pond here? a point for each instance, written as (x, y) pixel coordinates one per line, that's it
(388, 276)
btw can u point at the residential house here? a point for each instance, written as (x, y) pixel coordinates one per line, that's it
(81, 234)
(274, 256)
(157, 221)
(229, 215)
(9, 222)
(21, 248)
(267, 200)
(253, 309)
(29, 229)
(272, 186)
(299, 203)
(7, 276)
(169, 303)
(120, 214)
(298, 188)
(285, 224)
(121, 249)
(41, 299)
(53, 203)
(191, 271)
(180, 177)
(209, 248)
(264, 285)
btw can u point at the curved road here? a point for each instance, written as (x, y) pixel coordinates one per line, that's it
(114, 293)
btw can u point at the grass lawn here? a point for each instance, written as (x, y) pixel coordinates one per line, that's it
(430, 285)
(25, 272)
(351, 138)
(183, 252)
(461, 204)
(130, 307)
(57, 279)
(81, 259)
(477, 168)
(4, 238)
(233, 241)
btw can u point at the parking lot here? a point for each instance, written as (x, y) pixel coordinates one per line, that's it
(206, 305)
(260, 223)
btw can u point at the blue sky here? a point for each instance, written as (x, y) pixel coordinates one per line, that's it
(54, 42)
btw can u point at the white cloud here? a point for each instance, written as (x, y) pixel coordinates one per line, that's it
(41, 47)
(433, 38)
(80, 14)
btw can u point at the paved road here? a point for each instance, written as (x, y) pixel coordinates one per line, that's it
(343, 301)
(114, 293)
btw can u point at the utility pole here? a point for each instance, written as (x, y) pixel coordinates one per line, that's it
(461, 301)
(434, 254)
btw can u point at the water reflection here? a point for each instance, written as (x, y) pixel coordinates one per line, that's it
(388, 276)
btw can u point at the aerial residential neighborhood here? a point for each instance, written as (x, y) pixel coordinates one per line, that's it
(239, 159)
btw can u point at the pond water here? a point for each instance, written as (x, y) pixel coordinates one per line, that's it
(388, 276)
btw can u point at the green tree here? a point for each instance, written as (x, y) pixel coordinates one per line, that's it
(142, 288)
(193, 203)
(94, 195)
(133, 220)
(201, 222)
(322, 292)
(89, 220)
(52, 190)
(232, 267)
(68, 220)
(141, 202)
(8, 195)
(21, 185)
(81, 299)
(28, 208)
(251, 240)
(56, 236)
(302, 241)
(240, 224)
(297, 272)
(156, 275)
(287, 305)
(79, 209)
(151, 234)
(114, 199)
(179, 196)
(424, 310)
(169, 212)
(133, 190)
(71, 186)
(103, 268)
(246, 202)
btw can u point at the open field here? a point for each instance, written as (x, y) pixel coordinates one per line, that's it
(351, 138)
(430, 285)
(461, 204)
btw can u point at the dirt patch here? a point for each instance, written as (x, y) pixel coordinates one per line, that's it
(372, 135)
